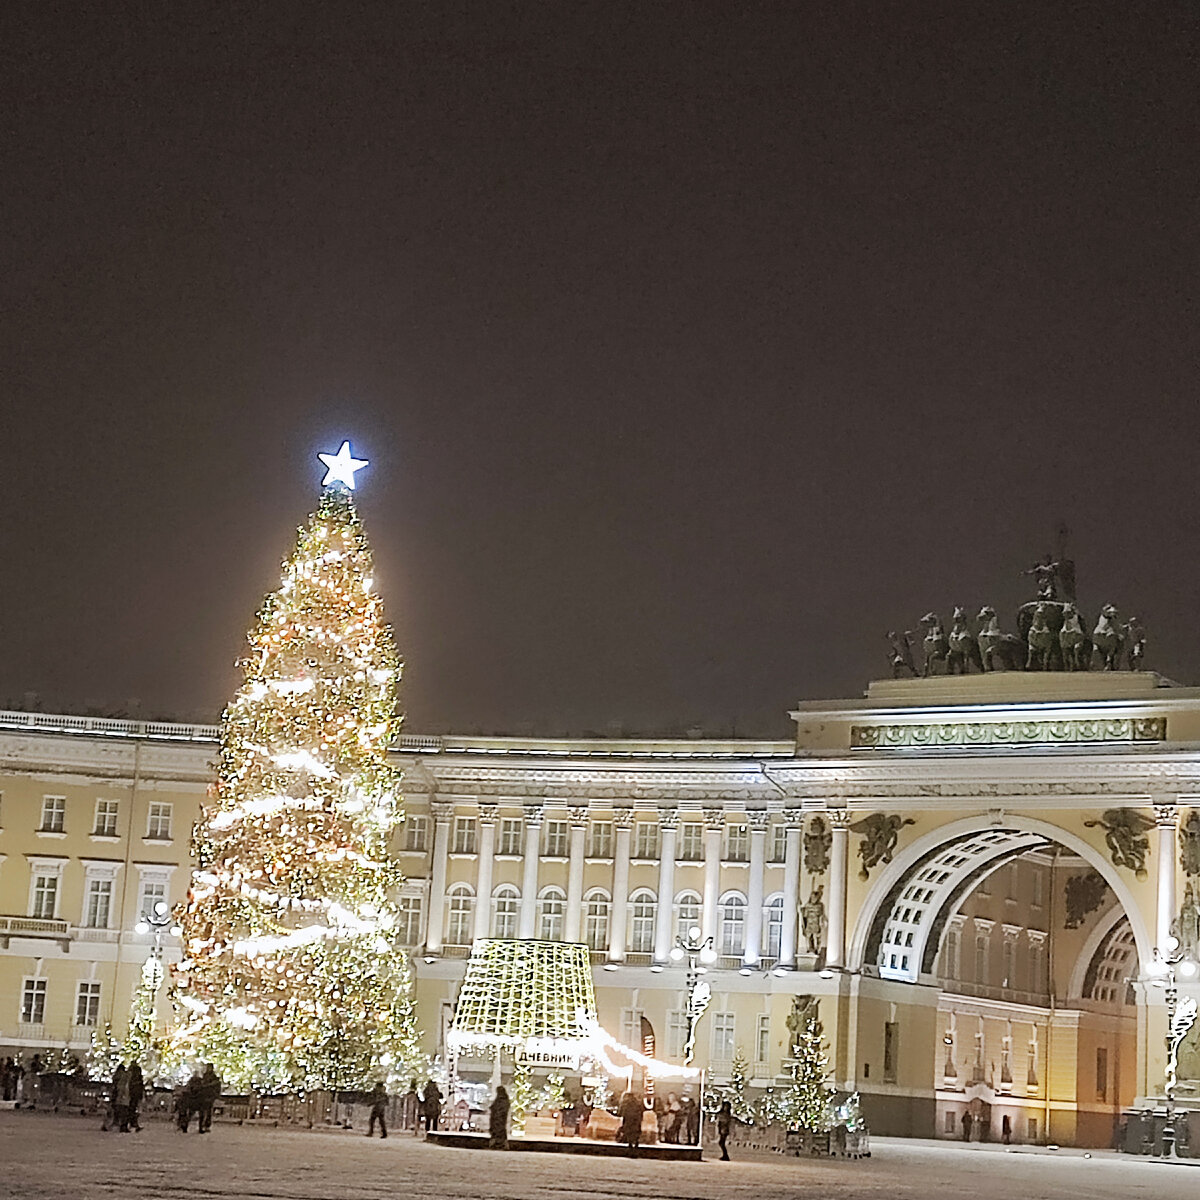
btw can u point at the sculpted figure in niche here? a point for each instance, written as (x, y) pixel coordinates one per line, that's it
(818, 838)
(1125, 833)
(812, 920)
(805, 1011)
(1186, 926)
(1189, 843)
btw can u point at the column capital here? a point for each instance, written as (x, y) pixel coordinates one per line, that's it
(488, 811)
(668, 819)
(793, 818)
(839, 818)
(714, 819)
(759, 819)
(441, 810)
(534, 814)
(1166, 813)
(623, 818)
(578, 816)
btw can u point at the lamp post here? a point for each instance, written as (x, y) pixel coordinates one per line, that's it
(1180, 1016)
(157, 920)
(698, 950)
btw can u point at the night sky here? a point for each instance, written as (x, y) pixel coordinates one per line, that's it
(693, 346)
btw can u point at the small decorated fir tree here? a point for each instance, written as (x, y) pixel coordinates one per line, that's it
(807, 1101)
(105, 1054)
(291, 976)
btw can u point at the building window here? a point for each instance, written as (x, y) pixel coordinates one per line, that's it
(1010, 962)
(1031, 1129)
(687, 913)
(45, 896)
(691, 841)
(511, 830)
(158, 828)
(415, 831)
(1037, 967)
(676, 1033)
(950, 960)
(951, 1122)
(772, 926)
(408, 920)
(106, 818)
(33, 1002)
(1012, 881)
(645, 841)
(631, 1027)
(762, 1039)
(54, 814)
(1039, 884)
(464, 835)
(737, 843)
(461, 910)
(99, 903)
(733, 925)
(1101, 1073)
(778, 842)
(891, 1050)
(550, 915)
(504, 915)
(600, 840)
(87, 1003)
(722, 1037)
(981, 958)
(595, 920)
(152, 893)
(557, 833)
(642, 907)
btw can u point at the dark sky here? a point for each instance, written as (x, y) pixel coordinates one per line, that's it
(693, 346)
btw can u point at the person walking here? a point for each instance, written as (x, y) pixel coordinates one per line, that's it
(379, 1099)
(410, 1109)
(498, 1120)
(431, 1107)
(724, 1125)
(209, 1094)
(137, 1093)
(121, 1097)
(630, 1111)
(967, 1122)
(187, 1101)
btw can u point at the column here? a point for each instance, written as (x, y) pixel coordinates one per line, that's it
(714, 827)
(668, 823)
(752, 951)
(529, 878)
(618, 914)
(483, 882)
(437, 881)
(835, 951)
(574, 917)
(791, 890)
(1166, 817)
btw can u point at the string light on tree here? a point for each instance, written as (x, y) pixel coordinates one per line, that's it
(290, 975)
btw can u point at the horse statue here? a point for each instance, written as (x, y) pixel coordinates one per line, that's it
(1135, 640)
(1041, 641)
(1075, 644)
(937, 645)
(964, 647)
(1109, 638)
(901, 656)
(999, 651)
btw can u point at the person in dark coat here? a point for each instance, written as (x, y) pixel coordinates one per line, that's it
(431, 1105)
(379, 1099)
(967, 1122)
(690, 1133)
(209, 1094)
(410, 1109)
(118, 1099)
(630, 1111)
(724, 1125)
(137, 1093)
(498, 1120)
(187, 1101)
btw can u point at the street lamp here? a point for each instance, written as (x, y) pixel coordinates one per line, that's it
(158, 920)
(697, 949)
(1180, 1016)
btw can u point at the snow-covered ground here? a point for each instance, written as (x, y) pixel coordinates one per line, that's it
(44, 1156)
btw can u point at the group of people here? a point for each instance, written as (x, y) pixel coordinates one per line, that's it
(12, 1076)
(197, 1098)
(125, 1099)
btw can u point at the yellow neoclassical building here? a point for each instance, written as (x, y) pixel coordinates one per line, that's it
(971, 874)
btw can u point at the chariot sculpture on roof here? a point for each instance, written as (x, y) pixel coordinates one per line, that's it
(1052, 633)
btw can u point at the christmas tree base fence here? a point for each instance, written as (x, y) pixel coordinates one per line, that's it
(660, 1151)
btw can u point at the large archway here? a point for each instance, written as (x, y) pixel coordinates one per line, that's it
(898, 928)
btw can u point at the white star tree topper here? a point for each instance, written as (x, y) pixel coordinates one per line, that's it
(340, 467)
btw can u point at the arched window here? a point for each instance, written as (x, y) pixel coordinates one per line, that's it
(687, 913)
(505, 903)
(551, 904)
(950, 956)
(596, 906)
(733, 924)
(772, 925)
(642, 907)
(461, 905)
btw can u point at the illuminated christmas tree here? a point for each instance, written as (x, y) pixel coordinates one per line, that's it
(807, 1102)
(141, 1045)
(291, 977)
